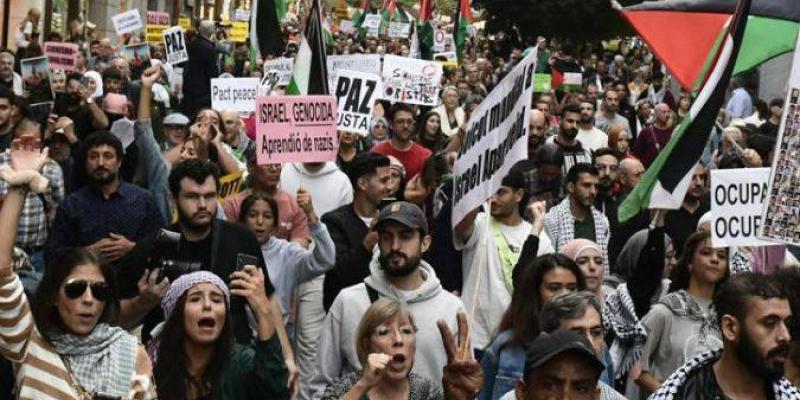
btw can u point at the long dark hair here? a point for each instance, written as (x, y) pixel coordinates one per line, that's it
(170, 369)
(251, 200)
(440, 140)
(522, 315)
(43, 307)
(680, 274)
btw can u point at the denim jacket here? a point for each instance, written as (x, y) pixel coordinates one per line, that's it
(503, 365)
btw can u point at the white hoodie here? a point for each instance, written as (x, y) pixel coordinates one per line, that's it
(336, 355)
(330, 187)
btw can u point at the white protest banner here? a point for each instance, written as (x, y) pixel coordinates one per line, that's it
(238, 94)
(411, 81)
(372, 23)
(241, 15)
(346, 26)
(399, 30)
(296, 129)
(496, 138)
(61, 55)
(175, 45)
(127, 22)
(282, 68)
(356, 93)
(439, 40)
(366, 63)
(782, 210)
(737, 199)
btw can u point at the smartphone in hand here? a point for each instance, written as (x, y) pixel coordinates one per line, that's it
(245, 259)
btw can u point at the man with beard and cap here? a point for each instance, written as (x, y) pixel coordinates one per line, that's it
(754, 314)
(652, 139)
(575, 217)
(488, 270)
(107, 215)
(398, 273)
(608, 115)
(572, 151)
(606, 162)
(590, 137)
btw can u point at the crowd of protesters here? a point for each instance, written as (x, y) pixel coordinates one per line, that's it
(124, 274)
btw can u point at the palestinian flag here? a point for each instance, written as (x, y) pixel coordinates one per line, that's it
(425, 30)
(665, 183)
(462, 19)
(682, 32)
(360, 16)
(388, 13)
(265, 29)
(281, 8)
(566, 76)
(310, 75)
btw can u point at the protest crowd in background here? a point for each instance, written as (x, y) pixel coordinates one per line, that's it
(398, 205)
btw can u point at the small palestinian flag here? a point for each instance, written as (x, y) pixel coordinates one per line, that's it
(462, 19)
(310, 75)
(425, 30)
(567, 76)
(682, 32)
(665, 183)
(265, 29)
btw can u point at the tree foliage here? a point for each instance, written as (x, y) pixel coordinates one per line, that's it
(578, 20)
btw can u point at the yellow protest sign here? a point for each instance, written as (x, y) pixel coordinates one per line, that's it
(240, 31)
(185, 23)
(230, 184)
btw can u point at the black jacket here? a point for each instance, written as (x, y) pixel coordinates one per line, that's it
(227, 240)
(352, 260)
(197, 74)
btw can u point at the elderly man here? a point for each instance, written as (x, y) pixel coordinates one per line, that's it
(233, 132)
(8, 77)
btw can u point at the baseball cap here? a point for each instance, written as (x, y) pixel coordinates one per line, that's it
(176, 119)
(549, 346)
(404, 213)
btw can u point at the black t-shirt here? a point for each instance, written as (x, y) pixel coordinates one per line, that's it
(703, 384)
(680, 224)
(769, 129)
(217, 253)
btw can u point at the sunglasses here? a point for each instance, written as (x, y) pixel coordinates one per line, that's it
(75, 288)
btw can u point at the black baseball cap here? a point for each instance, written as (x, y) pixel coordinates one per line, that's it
(549, 346)
(404, 213)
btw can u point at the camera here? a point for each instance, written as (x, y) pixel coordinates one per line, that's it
(166, 248)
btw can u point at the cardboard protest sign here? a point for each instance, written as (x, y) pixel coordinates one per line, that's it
(137, 55)
(240, 31)
(36, 79)
(157, 23)
(372, 23)
(411, 81)
(356, 93)
(175, 45)
(439, 40)
(737, 199)
(496, 138)
(238, 94)
(185, 23)
(542, 83)
(296, 129)
(127, 22)
(366, 63)
(399, 30)
(61, 55)
(282, 68)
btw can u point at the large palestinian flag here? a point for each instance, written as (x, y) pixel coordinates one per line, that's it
(682, 32)
(665, 183)
(310, 74)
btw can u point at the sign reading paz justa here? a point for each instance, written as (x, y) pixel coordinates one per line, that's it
(127, 22)
(296, 129)
(737, 198)
(411, 81)
(238, 94)
(356, 93)
(495, 139)
(61, 55)
(175, 45)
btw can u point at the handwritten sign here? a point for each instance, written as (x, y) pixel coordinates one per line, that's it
(296, 129)
(127, 22)
(411, 81)
(61, 55)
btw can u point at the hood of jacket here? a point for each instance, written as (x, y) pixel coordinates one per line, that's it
(327, 169)
(428, 290)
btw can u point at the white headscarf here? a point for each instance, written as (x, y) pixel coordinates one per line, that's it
(98, 81)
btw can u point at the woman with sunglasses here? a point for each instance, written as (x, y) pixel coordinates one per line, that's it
(62, 346)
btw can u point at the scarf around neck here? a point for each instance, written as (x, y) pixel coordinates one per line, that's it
(103, 361)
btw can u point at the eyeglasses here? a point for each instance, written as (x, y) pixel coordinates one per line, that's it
(75, 288)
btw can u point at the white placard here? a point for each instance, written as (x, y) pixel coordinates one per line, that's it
(238, 94)
(356, 93)
(282, 68)
(737, 198)
(399, 30)
(439, 40)
(372, 23)
(366, 63)
(127, 22)
(496, 138)
(346, 26)
(411, 81)
(175, 45)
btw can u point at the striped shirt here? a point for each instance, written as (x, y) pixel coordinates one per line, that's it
(40, 371)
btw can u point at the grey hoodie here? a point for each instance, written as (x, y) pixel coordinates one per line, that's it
(336, 355)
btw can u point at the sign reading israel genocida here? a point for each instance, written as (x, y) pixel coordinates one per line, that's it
(296, 129)
(495, 139)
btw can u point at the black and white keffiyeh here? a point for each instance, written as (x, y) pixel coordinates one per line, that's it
(784, 390)
(619, 316)
(560, 226)
(684, 305)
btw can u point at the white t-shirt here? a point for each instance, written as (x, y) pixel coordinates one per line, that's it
(592, 139)
(492, 296)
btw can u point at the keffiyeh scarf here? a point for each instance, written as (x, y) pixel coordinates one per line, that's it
(784, 390)
(560, 226)
(619, 316)
(683, 305)
(102, 362)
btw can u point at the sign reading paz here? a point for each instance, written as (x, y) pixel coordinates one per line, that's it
(356, 93)
(296, 129)
(127, 22)
(61, 55)
(175, 45)
(411, 81)
(495, 139)
(737, 198)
